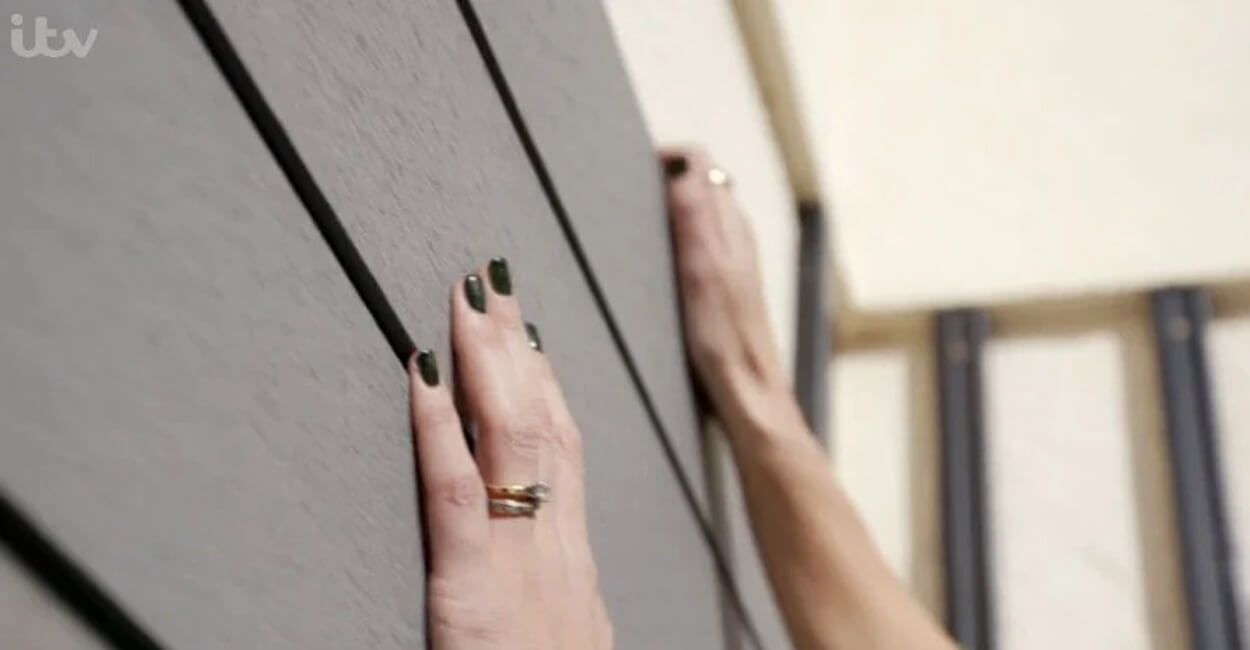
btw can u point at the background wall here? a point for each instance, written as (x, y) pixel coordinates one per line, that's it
(1050, 163)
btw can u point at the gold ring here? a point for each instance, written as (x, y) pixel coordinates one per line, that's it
(512, 507)
(718, 177)
(538, 492)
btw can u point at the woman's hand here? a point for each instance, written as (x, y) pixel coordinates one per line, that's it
(497, 581)
(728, 335)
(831, 583)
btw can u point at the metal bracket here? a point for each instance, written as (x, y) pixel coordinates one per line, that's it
(965, 531)
(1180, 317)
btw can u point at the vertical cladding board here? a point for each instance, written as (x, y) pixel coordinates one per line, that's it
(197, 406)
(394, 113)
(563, 68)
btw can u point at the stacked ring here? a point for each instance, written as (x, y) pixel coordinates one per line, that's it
(512, 508)
(517, 500)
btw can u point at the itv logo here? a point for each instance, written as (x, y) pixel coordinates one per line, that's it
(44, 38)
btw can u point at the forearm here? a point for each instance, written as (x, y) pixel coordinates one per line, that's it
(833, 586)
(834, 589)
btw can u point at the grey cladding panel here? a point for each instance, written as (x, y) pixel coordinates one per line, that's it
(196, 406)
(390, 106)
(30, 619)
(565, 70)
(563, 66)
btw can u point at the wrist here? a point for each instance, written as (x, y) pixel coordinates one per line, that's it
(759, 409)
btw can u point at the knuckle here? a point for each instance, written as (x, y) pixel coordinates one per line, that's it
(702, 279)
(567, 439)
(523, 433)
(689, 200)
(460, 490)
(489, 336)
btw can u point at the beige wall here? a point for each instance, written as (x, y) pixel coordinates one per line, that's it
(987, 150)
(1052, 161)
(1084, 541)
(1229, 349)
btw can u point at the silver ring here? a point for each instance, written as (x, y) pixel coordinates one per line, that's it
(540, 492)
(718, 177)
(512, 507)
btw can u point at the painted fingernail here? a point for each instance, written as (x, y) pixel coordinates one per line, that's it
(536, 341)
(475, 293)
(500, 277)
(675, 167)
(427, 365)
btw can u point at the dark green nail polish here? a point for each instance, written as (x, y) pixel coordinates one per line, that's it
(500, 278)
(427, 365)
(675, 167)
(475, 292)
(536, 341)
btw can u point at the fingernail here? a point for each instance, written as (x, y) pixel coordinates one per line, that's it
(675, 167)
(536, 341)
(500, 278)
(475, 292)
(427, 365)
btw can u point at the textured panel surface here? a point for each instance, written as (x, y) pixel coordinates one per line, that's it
(30, 619)
(1028, 147)
(197, 406)
(563, 66)
(1084, 535)
(393, 111)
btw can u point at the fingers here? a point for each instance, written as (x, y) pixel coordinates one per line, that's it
(562, 541)
(525, 434)
(700, 248)
(454, 495)
(693, 202)
(726, 326)
(567, 463)
(496, 369)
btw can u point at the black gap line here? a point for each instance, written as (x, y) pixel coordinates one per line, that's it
(1180, 317)
(69, 582)
(536, 161)
(961, 335)
(813, 349)
(301, 180)
(297, 174)
(329, 225)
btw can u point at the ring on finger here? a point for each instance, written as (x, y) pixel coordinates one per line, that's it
(512, 507)
(538, 492)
